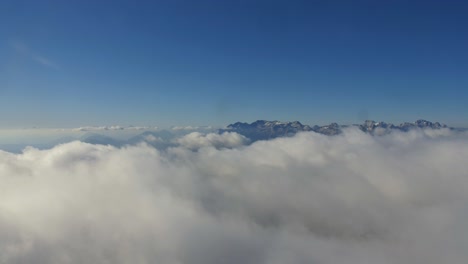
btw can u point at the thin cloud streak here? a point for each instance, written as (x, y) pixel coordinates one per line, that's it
(24, 50)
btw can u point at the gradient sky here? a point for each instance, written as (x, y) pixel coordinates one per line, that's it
(76, 63)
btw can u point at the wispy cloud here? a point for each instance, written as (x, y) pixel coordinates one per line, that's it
(188, 128)
(45, 61)
(24, 50)
(104, 128)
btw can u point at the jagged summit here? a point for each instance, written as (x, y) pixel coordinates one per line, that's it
(263, 129)
(372, 126)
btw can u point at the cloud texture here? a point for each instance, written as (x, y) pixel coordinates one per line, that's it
(197, 140)
(352, 198)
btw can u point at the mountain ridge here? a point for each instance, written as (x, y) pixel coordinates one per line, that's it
(264, 129)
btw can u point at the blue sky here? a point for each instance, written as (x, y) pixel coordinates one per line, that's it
(163, 63)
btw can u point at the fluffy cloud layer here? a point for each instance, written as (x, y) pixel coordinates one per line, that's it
(197, 140)
(352, 198)
(104, 128)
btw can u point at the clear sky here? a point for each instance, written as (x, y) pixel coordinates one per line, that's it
(76, 63)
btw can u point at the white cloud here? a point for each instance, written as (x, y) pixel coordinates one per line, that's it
(352, 198)
(97, 128)
(196, 140)
(116, 127)
(152, 138)
(191, 128)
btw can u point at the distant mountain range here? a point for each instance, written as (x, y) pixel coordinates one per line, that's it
(262, 129)
(258, 130)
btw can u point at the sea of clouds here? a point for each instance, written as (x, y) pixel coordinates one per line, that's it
(352, 198)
